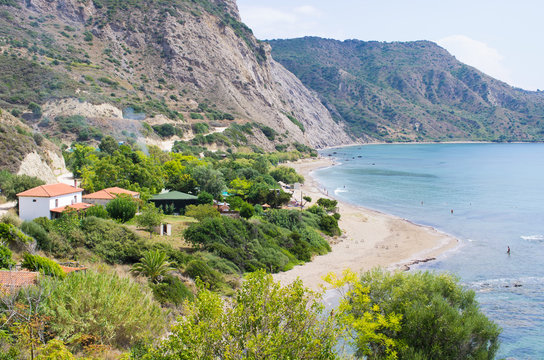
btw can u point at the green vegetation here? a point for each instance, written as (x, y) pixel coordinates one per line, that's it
(122, 208)
(262, 320)
(150, 218)
(409, 91)
(42, 264)
(11, 185)
(419, 316)
(295, 121)
(6, 258)
(123, 312)
(153, 265)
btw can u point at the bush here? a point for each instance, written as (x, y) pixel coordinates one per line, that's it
(247, 211)
(329, 225)
(200, 128)
(101, 307)
(37, 231)
(328, 204)
(114, 243)
(171, 291)
(11, 184)
(98, 211)
(286, 174)
(199, 269)
(438, 318)
(43, 265)
(6, 261)
(122, 208)
(205, 198)
(201, 212)
(55, 350)
(14, 237)
(262, 321)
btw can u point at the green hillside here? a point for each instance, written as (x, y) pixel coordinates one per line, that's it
(405, 91)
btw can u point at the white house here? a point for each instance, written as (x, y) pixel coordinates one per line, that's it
(49, 200)
(103, 197)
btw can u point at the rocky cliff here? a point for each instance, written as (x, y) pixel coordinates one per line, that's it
(179, 58)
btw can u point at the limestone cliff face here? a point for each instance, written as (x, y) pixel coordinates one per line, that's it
(198, 51)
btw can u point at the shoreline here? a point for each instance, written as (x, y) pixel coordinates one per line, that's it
(426, 142)
(369, 238)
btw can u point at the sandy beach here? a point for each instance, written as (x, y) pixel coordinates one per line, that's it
(369, 238)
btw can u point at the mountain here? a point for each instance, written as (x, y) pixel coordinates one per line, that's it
(93, 67)
(27, 152)
(405, 91)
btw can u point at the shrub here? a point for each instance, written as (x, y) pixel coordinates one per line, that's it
(37, 231)
(247, 210)
(13, 236)
(199, 269)
(201, 212)
(195, 116)
(55, 350)
(6, 261)
(153, 265)
(171, 290)
(262, 321)
(43, 265)
(122, 208)
(205, 198)
(328, 204)
(14, 184)
(438, 318)
(329, 225)
(114, 243)
(108, 309)
(98, 211)
(200, 128)
(286, 174)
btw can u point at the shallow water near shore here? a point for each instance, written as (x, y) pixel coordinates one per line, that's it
(490, 196)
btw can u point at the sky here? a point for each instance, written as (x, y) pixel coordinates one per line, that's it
(504, 39)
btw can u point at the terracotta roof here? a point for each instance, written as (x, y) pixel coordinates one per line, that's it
(50, 190)
(110, 193)
(68, 269)
(17, 279)
(77, 207)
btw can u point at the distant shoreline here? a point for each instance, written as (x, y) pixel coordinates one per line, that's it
(369, 238)
(427, 142)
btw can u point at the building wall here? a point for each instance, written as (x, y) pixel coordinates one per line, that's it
(31, 208)
(102, 202)
(34, 207)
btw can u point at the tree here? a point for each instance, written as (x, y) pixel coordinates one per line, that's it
(286, 174)
(98, 211)
(210, 180)
(122, 208)
(205, 198)
(11, 185)
(262, 321)
(150, 218)
(247, 210)
(328, 204)
(154, 265)
(438, 319)
(108, 145)
(201, 212)
(35, 108)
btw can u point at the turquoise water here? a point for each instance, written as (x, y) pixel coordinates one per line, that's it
(496, 192)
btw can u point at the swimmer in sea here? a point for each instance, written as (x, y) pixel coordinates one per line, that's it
(508, 251)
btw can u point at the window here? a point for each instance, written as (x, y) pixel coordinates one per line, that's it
(56, 203)
(75, 199)
(33, 200)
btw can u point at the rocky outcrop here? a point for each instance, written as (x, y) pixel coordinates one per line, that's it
(168, 56)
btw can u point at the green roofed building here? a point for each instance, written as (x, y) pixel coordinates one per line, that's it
(178, 199)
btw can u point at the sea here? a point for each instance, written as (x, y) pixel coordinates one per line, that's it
(489, 196)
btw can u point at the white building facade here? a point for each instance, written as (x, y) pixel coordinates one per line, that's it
(41, 200)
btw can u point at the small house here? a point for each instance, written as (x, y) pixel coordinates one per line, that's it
(49, 200)
(103, 197)
(174, 199)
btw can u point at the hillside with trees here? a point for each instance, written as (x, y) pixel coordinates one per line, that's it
(410, 91)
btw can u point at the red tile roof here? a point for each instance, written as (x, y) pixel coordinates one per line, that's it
(69, 269)
(17, 279)
(50, 191)
(110, 193)
(77, 207)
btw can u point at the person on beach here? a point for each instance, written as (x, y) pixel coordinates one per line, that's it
(508, 251)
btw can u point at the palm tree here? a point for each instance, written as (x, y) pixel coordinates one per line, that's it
(153, 265)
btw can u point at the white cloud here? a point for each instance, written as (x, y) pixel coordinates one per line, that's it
(308, 10)
(478, 54)
(270, 23)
